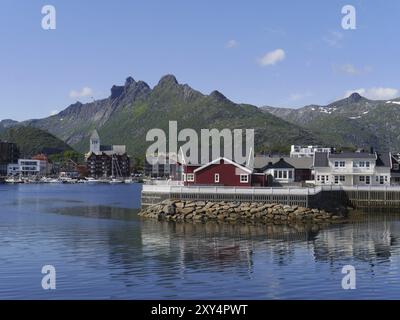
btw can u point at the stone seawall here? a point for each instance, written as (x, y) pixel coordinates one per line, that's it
(201, 211)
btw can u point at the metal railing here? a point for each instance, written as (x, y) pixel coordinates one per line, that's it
(262, 191)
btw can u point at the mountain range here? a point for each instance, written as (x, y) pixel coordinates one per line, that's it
(132, 109)
(354, 122)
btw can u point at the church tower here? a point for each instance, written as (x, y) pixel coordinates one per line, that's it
(95, 142)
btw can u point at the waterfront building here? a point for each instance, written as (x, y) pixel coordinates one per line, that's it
(223, 172)
(107, 161)
(352, 168)
(28, 167)
(306, 151)
(9, 153)
(285, 170)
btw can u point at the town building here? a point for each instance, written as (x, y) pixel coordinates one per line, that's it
(285, 170)
(223, 172)
(107, 161)
(162, 166)
(28, 167)
(352, 168)
(9, 153)
(306, 151)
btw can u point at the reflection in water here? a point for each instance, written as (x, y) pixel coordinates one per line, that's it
(102, 250)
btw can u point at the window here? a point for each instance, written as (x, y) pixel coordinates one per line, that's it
(280, 174)
(368, 180)
(336, 179)
(342, 164)
(244, 178)
(284, 174)
(216, 178)
(190, 177)
(367, 164)
(342, 178)
(381, 180)
(275, 174)
(361, 179)
(290, 174)
(361, 164)
(395, 166)
(386, 178)
(327, 178)
(317, 178)
(336, 164)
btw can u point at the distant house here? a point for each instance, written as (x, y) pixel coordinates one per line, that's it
(306, 151)
(223, 172)
(28, 167)
(162, 166)
(284, 170)
(352, 168)
(106, 161)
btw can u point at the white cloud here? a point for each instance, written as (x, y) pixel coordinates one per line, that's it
(54, 112)
(352, 70)
(84, 92)
(334, 39)
(232, 44)
(375, 93)
(272, 57)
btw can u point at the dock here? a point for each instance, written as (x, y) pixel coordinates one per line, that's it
(359, 197)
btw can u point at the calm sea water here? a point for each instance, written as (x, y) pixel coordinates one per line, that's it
(101, 250)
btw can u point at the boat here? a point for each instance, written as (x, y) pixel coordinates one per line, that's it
(13, 180)
(115, 181)
(92, 180)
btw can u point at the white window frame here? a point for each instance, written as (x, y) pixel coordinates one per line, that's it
(190, 177)
(244, 176)
(216, 178)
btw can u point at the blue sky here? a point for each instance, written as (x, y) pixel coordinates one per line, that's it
(207, 44)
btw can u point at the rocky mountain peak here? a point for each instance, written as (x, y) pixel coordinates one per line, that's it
(129, 81)
(218, 96)
(354, 97)
(168, 79)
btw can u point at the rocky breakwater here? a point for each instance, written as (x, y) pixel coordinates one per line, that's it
(201, 211)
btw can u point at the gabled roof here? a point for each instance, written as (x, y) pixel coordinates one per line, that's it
(281, 164)
(218, 160)
(352, 155)
(260, 162)
(384, 160)
(321, 160)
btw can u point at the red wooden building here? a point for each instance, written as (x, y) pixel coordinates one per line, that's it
(222, 172)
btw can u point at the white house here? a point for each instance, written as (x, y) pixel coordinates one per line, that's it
(27, 167)
(308, 151)
(352, 168)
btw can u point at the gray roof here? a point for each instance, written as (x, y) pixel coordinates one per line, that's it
(298, 163)
(384, 160)
(321, 159)
(95, 135)
(352, 155)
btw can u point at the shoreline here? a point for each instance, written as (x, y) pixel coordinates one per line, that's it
(239, 212)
